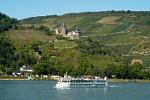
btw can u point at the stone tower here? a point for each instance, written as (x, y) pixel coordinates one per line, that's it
(63, 29)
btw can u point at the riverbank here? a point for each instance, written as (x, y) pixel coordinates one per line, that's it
(48, 78)
(128, 80)
(13, 78)
(23, 78)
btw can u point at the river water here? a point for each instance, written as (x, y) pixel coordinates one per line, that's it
(45, 90)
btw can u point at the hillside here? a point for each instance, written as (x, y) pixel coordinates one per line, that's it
(93, 22)
(108, 43)
(27, 35)
(128, 30)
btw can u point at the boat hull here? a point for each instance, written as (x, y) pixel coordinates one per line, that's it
(62, 85)
(81, 85)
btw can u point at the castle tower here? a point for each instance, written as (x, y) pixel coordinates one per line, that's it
(63, 30)
(57, 31)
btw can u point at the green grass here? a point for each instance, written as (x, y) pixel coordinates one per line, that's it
(27, 35)
(62, 44)
(109, 20)
(100, 61)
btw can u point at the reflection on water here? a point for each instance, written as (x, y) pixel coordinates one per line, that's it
(61, 88)
(45, 90)
(82, 93)
(105, 90)
(114, 86)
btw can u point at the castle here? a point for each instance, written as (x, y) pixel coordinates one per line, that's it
(63, 32)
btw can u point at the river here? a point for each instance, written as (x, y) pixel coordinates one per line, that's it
(45, 90)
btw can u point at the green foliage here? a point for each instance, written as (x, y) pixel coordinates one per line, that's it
(59, 37)
(2, 69)
(41, 69)
(62, 44)
(137, 72)
(6, 22)
(46, 30)
(148, 22)
(127, 72)
(6, 51)
(91, 47)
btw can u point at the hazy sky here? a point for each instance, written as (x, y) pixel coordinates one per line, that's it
(28, 8)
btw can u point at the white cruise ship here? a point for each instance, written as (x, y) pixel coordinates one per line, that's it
(68, 82)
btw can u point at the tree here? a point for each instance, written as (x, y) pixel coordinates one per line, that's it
(6, 51)
(2, 69)
(6, 22)
(41, 69)
(148, 22)
(91, 47)
(128, 11)
(136, 72)
(107, 72)
(46, 30)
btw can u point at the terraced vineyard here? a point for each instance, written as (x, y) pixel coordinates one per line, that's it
(128, 31)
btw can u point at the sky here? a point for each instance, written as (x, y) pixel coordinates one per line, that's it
(21, 9)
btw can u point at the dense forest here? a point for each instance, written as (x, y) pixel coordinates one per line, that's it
(31, 42)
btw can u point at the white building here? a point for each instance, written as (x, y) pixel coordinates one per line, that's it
(63, 32)
(26, 69)
(74, 34)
